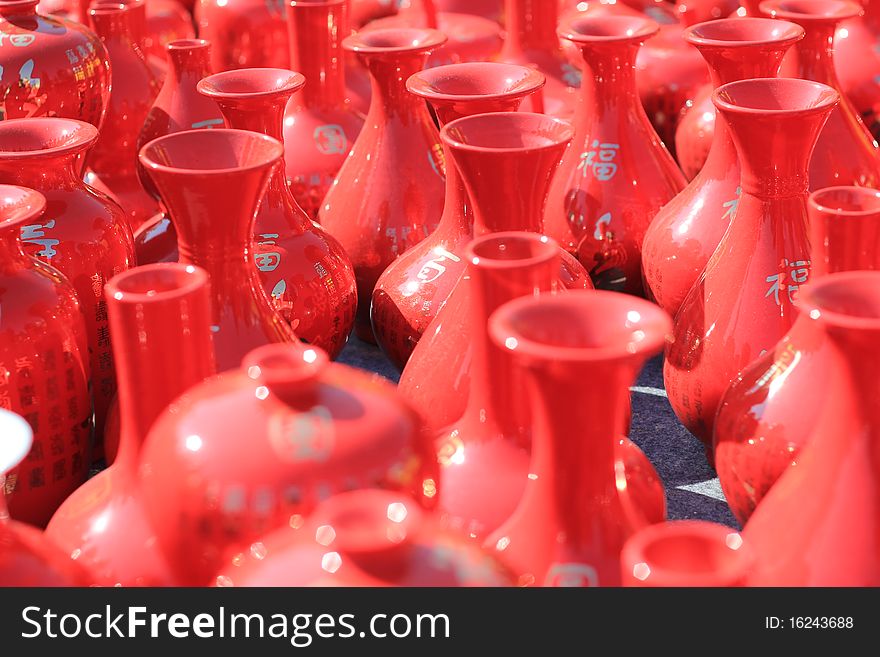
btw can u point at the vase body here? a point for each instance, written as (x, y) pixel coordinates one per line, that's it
(53, 67)
(687, 230)
(388, 195)
(314, 429)
(762, 424)
(244, 33)
(155, 309)
(857, 63)
(575, 514)
(45, 360)
(413, 288)
(302, 268)
(82, 234)
(828, 505)
(616, 174)
(211, 182)
(743, 302)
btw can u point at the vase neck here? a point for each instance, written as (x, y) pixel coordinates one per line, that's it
(742, 63)
(530, 25)
(187, 65)
(126, 25)
(61, 172)
(612, 83)
(390, 97)
(815, 54)
(316, 32)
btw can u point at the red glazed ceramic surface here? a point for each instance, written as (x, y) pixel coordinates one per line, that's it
(303, 269)
(687, 230)
(313, 429)
(244, 32)
(742, 304)
(857, 63)
(691, 12)
(364, 11)
(167, 21)
(44, 361)
(157, 309)
(388, 195)
(616, 174)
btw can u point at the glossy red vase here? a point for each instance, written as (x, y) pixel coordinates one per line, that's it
(51, 66)
(388, 195)
(616, 174)
(26, 557)
(162, 309)
(113, 160)
(692, 553)
(818, 526)
(512, 151)
(304, 270)
(857, 63)
(44, 360)
(743, 302)
(313, 429)
(412, 289)
(846, 153)
(763, 422)
(571, 523)
(363, 538)
(83, 234)
(321, 123)
(243, 32)
(212, 182)
(687, 230)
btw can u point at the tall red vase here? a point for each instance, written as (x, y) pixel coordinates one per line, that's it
(52, 66)
(155, 310)
(313, 429)
(44, 361)
(304, 270)
(513, 153)
(243, 32)
(818, 526)
(857, 63)
(616, 174)
(763, 422)
(687, 230)
(412, 289)
(83, 234)
(743, 302)
(846, 153)
(388, 195)
(575, 514)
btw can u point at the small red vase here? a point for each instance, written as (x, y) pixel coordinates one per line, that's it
(507, 152)
(363, 538)
(52, 66)
(313, 429)
(846, 153)
(44, 365)
(575, 514)
(687, 230)
(83, 234)
(818, 526)
(113, 160)
(303, 269)
(212, 182)
(692, 553)
(320, 123)
(155, 309)
(857, 63)
(26, 557)
(412, 289)
(742, 304)
(388, 195)
(763, 423)
(616, 174)
(243, 33)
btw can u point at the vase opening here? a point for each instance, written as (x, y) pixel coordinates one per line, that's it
(770, 95)
(742, 32)
(187, 44)
(394, 40)
(507, 131)
(18, 205)
(811, 10)
(282, 366)
(499, 249)
(598, 29)
(43, 137)
(847, 201)
(143, 284)
(846, 299)
(207, 152)
(251, 83)
(457, 82)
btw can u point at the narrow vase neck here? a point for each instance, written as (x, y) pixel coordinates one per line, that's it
(61, 172)
(388, 75)
(530, 25)
(611, 81)
(121, 26)
(187, 66)
(316, 33)
(815, 54)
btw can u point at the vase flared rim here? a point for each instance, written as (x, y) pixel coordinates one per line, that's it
(315, 4)
(546, 249)
(747, 27)
(17, 440)
(803, 97)
(62, 137)
(516, 120)
(807, 11)
(429, 82)
(289, 82)
(281, 365)
(10, 7)
(822, 201)
(138, 285)
(817, 299)
(188, 44)
(599, 29)
(19, 205)
(394, 40)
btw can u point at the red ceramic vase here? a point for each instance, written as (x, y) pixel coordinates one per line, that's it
(388, 195)
(363, 538)
(763, 422)
(846, 153)
(302, 268)
(51, 66)
(44, 361)
(743, 302)
(243, 32)
(143, 31)
(83, 234)
(818, 526)
(687, 230)
(575, 514)
(857, 63)
(162, 309)
(692, 553)
(616, 174)
(313, 429)
(412, 289)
